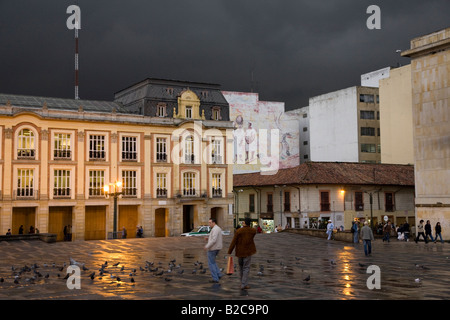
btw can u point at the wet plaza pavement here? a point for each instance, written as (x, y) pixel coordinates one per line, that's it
(337, 270)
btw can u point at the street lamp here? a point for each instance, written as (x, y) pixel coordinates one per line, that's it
(114, 191)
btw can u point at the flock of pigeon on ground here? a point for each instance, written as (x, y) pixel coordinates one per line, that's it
(30, 275)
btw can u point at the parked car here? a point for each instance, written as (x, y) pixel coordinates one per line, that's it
(202, 231)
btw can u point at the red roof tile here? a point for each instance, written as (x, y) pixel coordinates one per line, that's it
(333, 173)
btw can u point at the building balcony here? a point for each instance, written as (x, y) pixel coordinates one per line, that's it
(26, 194)
(26, 154)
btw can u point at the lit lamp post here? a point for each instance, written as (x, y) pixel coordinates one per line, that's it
(114, 191)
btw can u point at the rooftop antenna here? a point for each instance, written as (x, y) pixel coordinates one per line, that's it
(74, 22)
(77, 96)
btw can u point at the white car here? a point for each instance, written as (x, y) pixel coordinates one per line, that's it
(201, 231)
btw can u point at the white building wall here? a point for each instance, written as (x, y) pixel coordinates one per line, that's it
(372, 79)
(334, 126)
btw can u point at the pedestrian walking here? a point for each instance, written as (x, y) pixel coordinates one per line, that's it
(438, 230)
(367, 238)
(406, 231)
(213, 247)
(245, 248)
(21, 229)
(65, 233)
(124, 233)
(355, 232)
(330, 228)
(387, 231)
(428, 230)
(420, 231)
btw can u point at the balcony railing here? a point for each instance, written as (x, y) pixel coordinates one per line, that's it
(390, 207)
(26, 194)
(324, 207)
(62, 154)
(97, 155)
(26, 154)
(129, 192)
(216, 159)
(129, 156)
(96, 192)
(161, 157)
(189, 158)
(161, 193)
(216, 192)
(61, 193)
(189, 192)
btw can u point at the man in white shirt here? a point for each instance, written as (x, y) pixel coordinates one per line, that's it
(213, 247)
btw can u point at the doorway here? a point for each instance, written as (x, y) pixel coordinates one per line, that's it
(95, 223)
(128, 218)
(188, 218)
(160, 222)
(25, 217)
(59, 217)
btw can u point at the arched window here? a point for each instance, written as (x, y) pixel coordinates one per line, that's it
(26, 144)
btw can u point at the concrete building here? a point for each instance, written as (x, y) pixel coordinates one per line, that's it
(314, 192)
(164, 141)
(345, 126)
(430, 80)
(302, 115)
(396, 124)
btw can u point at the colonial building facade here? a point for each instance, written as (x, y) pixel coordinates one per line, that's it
(161, 145)
(312, 193)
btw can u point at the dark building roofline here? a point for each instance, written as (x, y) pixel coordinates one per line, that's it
(337, 173)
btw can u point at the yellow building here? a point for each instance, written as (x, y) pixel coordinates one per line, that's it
(396, 123)
(168, 151)
(430, 68)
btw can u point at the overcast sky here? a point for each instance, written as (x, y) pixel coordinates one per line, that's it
(296, 49)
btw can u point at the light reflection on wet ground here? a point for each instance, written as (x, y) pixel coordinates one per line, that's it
(286, 259)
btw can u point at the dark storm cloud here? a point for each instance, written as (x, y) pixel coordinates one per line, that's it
(295, 49)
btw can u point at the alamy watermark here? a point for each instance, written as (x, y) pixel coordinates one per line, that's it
(374, 21)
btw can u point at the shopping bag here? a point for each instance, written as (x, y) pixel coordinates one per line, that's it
(230, 266)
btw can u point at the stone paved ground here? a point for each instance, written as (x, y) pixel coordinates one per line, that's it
(287, 259)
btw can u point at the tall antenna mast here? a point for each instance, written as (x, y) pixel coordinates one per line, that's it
(77, 97)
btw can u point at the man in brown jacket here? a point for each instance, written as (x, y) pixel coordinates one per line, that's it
(245, 248)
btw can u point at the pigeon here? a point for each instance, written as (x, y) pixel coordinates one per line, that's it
(203, 271)
(181, 271)
(66, 277)
(159, 273)
(194, 271)
(417, 280)
(361, 265)
(333, 263)
(84, 268)
(307, 278)
(132, 280)
(296, 258)
(2, 280)
(167, 279)
(47, 276)
(123, 267)
(260, 273)
(116, 264)
(16, 281)
(118, 279)
(92, 275)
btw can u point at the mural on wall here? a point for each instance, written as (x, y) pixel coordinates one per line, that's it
(256, 123)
